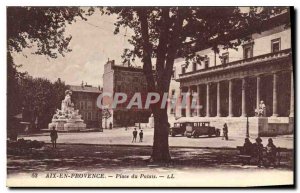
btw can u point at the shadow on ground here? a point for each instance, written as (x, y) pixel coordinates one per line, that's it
(91, 157)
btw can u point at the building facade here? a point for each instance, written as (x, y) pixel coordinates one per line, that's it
(129, 80)
(84, 98)
(230, 85)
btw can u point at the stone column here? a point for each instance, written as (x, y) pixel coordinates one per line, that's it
(198, 101)
(230, 114)
(275, 79)
(243, 98)
(218, 100)
(257, 91)
(207, 100)
(179, 104)
(188, 102)
(292, 95)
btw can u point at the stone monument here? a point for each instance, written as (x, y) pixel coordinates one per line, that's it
(67, 119)
(151, 121)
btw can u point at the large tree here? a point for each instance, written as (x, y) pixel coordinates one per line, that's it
(161, 34)
(42, 29)
(40, 98)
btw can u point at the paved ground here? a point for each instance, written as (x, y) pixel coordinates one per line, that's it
(208, 166)
(121, 137)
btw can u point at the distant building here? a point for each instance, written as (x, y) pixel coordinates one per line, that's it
(129, 80)
(84, 98)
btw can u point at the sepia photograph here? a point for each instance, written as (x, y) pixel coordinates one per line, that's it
(150, 96)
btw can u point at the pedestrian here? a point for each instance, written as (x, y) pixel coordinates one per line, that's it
(248, 147)
(134, 133)
(110, 125)
(258, 151)
(53, 136)
(225, 131)
(141, 135)
(271, 152)
(247, 150)
(36, 123)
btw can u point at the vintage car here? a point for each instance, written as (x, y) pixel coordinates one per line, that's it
(196, 129)
(177, 129)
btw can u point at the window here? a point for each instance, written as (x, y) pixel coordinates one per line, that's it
(173, 73)
(89, 116)
(206, 63)
(275, 45)
(81, 105)
(89, 104)
(183, 69)
(173, 92)
(135, 79)
(118, 88)
(194, 66)
(248, 50)
(225, 58)
(172, 111)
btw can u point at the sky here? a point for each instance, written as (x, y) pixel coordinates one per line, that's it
(93, 42)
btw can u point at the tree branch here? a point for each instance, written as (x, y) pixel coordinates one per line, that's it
(147, 49)
(163, 44)
(172, 48)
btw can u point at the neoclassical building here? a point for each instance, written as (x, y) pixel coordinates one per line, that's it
(229, 85)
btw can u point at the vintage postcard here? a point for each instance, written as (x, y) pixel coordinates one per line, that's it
(150, 96)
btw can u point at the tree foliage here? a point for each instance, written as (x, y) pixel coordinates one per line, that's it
(40, 98)
(41, 28)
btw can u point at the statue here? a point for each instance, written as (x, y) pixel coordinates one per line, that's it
(151, 121)
(67, 119)
(67, 103)
(261, 111)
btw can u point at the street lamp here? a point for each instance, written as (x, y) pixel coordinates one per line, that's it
(247, 128)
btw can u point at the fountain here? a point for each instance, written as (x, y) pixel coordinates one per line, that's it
(67, 119)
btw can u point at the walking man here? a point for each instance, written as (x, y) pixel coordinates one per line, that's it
(141, 135)
(225, 131)
(53, 136)
(134, 133)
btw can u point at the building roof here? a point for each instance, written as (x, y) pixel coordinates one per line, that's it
(128, 68)
(84, 88)
(281, 19)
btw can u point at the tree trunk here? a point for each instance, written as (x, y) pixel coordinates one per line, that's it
(166, 52)
(160, 151)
